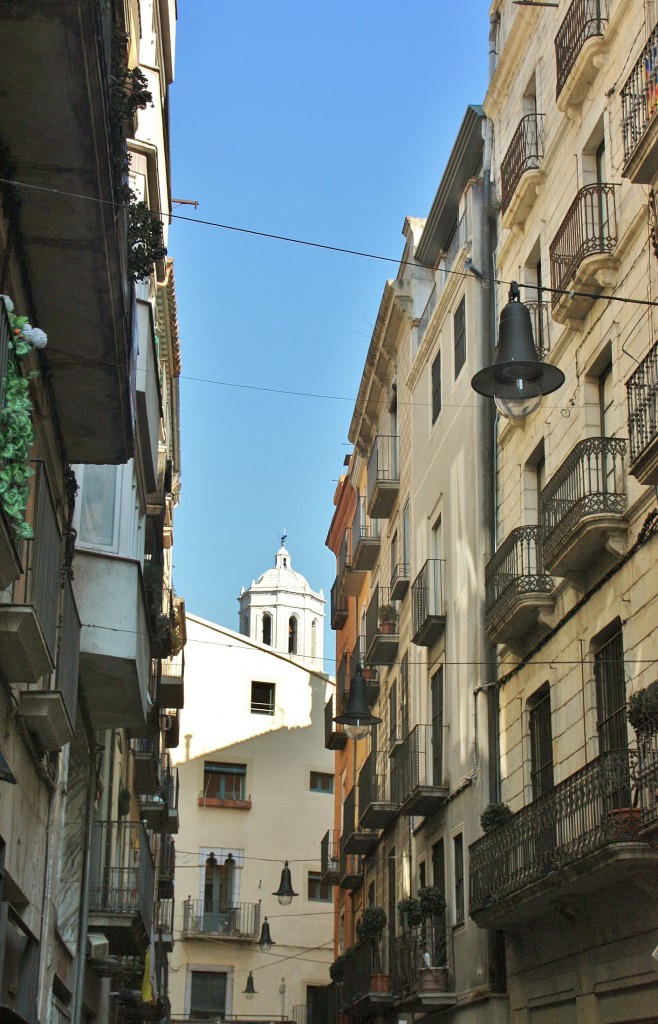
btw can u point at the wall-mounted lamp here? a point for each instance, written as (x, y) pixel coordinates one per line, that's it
(357, 717)
(518, 380)
(285, 892)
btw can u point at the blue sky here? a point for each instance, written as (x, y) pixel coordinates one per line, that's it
(323, 122)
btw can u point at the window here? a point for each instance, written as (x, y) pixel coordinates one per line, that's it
(404, 696)
(262, 698)
(436, 387)
(393, 713)
(321, 782)
(267, 629)
(460, 336)
(437, 726)
(292, 635)
(224, 781)
(208, 995)
(97, 506)
(318, 892)
(19, 976)
(541, 743)
(458, 847)
(611, 693)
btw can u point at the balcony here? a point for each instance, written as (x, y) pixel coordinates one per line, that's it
(148, 395)
(366, 541)
(330, 858)
(642, 398)
(646, 775)
(520, 174)
(639, 105)
(376, 806)
(582, 252)
(540, 317)
(354, 838)
(339, 609)
(146, 765)
(10, 563)
(366, 980)
(28, 624)
(518, 591)
(164, 924)
(427, 604)
(351, 579)
(234, 921)
(577, 839)
(121, 886)
(399, 581)
(171, 727)
(159, 807)
(370, 672)
(417, 784)
(172, 682)
(383, 477)
(583, 507)
(166, 868)
(350, 870)
(114, 643)
(381, 629)
(335, 737)
(579, 48)
(66, 153)
(413, 981)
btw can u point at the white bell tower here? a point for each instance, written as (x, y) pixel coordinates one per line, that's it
(280, 610)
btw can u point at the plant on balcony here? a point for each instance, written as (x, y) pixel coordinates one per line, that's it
(642, 707)
(145, 244)
(494, 815)
(387, 617)
(432, 902)
(337, 968)
(409, 913)
(16, 430)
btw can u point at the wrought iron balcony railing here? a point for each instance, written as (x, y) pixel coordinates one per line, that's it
(383, 476)
(330, 856)
(164, 917)
(5, 337)
(646, 773)
(365, 960)
(458, 238)
(516, 568)
(339, 609)
(590, 480)
(335, 737)
(214, 917)
(642, 398)
(426, 315)
(122, 871)
(541, 322)
(524, 153)
(589, 228)
(417, 785)
(579, 816)
(419, 947)
(639, 96)
(366, 539)
(381, 628)
(427, 603)
(376, 806)
(584, 20)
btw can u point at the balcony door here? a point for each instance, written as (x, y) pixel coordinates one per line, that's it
(611, 718)
(218, 894)
(437, 726)
(541, 745)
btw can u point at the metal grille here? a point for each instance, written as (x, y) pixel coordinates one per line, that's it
(541, 322)
(639, 96)
(122, 879)
(459, 878)
(383, 461)
(524, 153)
(642, 398)
(589, 228)
(541, 746)
(426, 316)
(611, 694)
(5, 335)
(516, 568)
(585, 19)
(427, 593)
(44, 561)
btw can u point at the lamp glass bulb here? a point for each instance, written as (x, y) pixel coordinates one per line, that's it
(526, 400)
(285, 900)
(248, 995)
(357, 731)
(265, 946)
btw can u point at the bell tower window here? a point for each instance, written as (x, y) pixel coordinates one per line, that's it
(267, 629)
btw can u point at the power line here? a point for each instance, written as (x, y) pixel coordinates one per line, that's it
(317, 245)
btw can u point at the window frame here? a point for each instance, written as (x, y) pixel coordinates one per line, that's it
(263, 707)
(459, 336)
(315, 888)
(436, 386)
(320, 775)
(224, 770)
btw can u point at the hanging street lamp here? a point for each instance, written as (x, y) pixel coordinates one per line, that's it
(357, 717)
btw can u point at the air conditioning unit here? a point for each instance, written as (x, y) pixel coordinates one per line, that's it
(97, 946)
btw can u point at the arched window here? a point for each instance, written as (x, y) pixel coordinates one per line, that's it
(245, 625)
(267, 629)
(292, 635)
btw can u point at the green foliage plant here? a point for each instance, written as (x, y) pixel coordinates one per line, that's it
(409, 912)
(372, 924)
(494, 815)
(432, 902)
(642, 707)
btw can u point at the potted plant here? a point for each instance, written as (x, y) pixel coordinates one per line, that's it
(409, 913)
(337, 968)
(387, 618)
(369, 930)
(494, 815)
(432, 902)
(642, 707)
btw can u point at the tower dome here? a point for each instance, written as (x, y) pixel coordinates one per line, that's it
(282, 611)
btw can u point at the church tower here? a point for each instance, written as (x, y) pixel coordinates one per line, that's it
(281, 610)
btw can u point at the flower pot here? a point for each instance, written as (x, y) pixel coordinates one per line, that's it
(380, 983)
(625, 821)
(432, 979)
(387, 628)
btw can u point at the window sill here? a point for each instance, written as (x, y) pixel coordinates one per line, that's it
(236, 805)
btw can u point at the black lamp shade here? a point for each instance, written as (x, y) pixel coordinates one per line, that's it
(265, 942)
(357, 717)
(285, 892)
(249, 991)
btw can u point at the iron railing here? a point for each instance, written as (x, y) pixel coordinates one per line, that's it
(215, 917)
(591, 480)
(349, 815)
(40, 586)
(363, 528)
(383, 462)
(5, 338)
(427, 593)
(374, 780)
(646, 772)
(584, 20)
(122, 870)
(516, 568)
(426, 315)
(574, 819)
(345, 552)
(589, 228)
(167, 860)
(173, 667)
(338, 604)
(334, 733)
(456, 241)
(170, 782)
(642, 399)
(164, 917)
(416, 762)
(342, 681)
(541, 321)
(524, 153)
(639, 96)
(424, 945)
(330, 852)
(380, 600)
(366, 958)
(68, 656)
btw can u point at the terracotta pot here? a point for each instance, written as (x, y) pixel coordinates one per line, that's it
(625, 821)
(387, 628)
(380, 983)
(432, 979)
